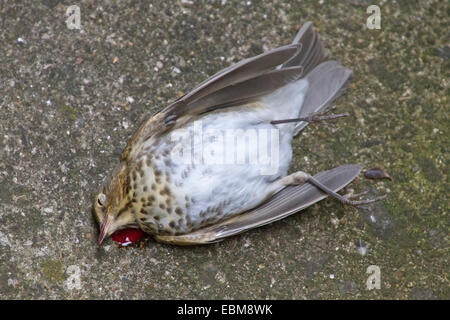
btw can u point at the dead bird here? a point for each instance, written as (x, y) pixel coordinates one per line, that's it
(163, 184)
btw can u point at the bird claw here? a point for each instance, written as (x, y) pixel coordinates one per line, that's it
(314, 117)
(343, 199)
(347, 199)
(352, 195)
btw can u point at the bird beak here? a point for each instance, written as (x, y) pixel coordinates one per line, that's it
(104, 228)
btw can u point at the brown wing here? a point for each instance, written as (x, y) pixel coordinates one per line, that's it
(214, 91)
(241, 83)
(286, 202)
(253, 78)
(237, 73)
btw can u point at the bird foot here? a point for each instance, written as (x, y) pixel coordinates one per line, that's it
(314, 117)
(348, 199)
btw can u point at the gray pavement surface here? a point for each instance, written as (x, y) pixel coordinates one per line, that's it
(70, 99)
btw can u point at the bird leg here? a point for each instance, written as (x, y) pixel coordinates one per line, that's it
(314, 117)
(352, 195)
(300, 177)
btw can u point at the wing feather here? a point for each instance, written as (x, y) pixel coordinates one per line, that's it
(286, 202)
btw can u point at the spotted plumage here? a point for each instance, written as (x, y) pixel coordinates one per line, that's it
(163, 186)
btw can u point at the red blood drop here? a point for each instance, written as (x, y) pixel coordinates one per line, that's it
(127, 236)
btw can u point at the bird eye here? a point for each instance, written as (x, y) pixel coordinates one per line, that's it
(101, 200)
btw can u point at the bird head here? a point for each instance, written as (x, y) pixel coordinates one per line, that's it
(112, 205)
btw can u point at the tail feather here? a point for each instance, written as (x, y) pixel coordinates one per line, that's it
(326, 82)
(320, 84)
(312, 50)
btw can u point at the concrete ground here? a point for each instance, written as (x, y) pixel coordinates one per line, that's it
(70, 99)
